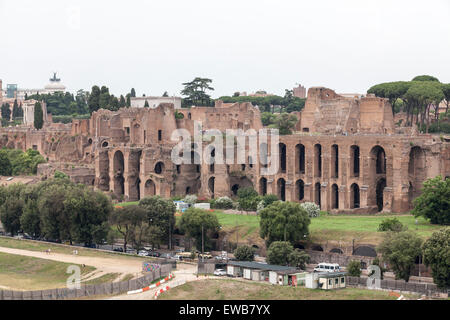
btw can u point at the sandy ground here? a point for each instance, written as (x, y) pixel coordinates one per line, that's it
(102, 265)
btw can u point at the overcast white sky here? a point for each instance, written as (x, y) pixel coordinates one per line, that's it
(245, 45)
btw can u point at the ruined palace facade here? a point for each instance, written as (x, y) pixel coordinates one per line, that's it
(346, 153)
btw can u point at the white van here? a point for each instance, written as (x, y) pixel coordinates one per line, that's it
(327, 267)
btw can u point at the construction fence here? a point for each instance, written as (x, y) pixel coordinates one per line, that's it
(111, 288)
(428, 289)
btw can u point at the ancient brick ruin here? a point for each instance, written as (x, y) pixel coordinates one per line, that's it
(346, 155)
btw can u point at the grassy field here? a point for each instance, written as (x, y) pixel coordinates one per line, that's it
(239, 290)
(331, 227)
(27, 273)
(109, 277)
(42, 246)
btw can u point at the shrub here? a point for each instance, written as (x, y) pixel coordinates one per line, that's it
(248, 199)
(391, 225)
(223, 203)
(244, 253)
(191, 199)
(311, 208)
(268, 199)
(354, 268)
(434, 202)
(279, 253)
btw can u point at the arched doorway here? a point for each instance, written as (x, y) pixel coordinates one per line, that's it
(211, 185)
(119, 180)
(365, 251)
(317, 160)
(103, 182)
(334, 161)
(317, 193)
(337, 250)
(381, 184)
(354, 161)
(300, 190)
(149, 188)
(282, 151)
(281, 186)
(300, 158)
(378, 159)
(334, 196)
(354, 196)
(263, 186)
(234, 189)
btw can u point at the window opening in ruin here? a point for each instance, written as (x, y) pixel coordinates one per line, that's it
(300, 190)
(300, 156)
(159, 135)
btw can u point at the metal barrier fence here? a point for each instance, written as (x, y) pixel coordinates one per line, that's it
(112, 288)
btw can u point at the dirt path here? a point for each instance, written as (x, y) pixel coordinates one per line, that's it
(103, 265)
(184, 272)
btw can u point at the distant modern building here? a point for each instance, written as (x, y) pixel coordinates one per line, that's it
(14, 92)
(153, 102)
(300, 92)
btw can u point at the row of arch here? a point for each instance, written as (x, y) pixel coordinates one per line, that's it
(355, 198)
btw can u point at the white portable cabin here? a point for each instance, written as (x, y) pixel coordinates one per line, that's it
(248, 274)
(273, 277)
(257, 275)
(312, 280)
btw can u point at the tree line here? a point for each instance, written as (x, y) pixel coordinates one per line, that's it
(15, 115)
(14, 162)
(418, 98)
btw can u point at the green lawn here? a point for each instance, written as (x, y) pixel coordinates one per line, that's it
(28, 273)
(333, 227)
(239, 290)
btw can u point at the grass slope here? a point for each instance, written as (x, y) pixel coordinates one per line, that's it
(28, 273)
(239, 290)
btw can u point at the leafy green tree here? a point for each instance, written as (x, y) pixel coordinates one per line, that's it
(268, 118)
(195, 91)
(400, 250)
(125, 219)
(38, 116)
(279, 253)
(285, 122)
(436, 252)
(354, 268)
(128, 101)
(194, 220)
(392, 224)
(248, 199)
(94, 99)
(299, 259)
(11, 208)
(30, 220)
(284, 221)
(446, 92)
(434, 202)
(160, 214)
(16, 110)
(244, 253)
(122, 102)
(104, 98)
(268, 199)
(6, 112)
(146, 105)
(425, 78)
(5, 164)
(60, 175)
(133, 93)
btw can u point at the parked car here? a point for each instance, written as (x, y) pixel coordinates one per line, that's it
(155, 254)
(92, 245)
(327, 267)
(120, 249)
(143, 253)
(177, 257)
(220, 272)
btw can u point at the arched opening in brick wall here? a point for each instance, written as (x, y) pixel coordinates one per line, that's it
(354, 196)
(119, 180)
(336, 250)
(211, 165)
(211, 185)
(238, 183)
(365, 251)
(317, 160)
(317, 193)
(149, 188)
(334, 196)
(103, 182)
(300, 158)
(416, 170)
(134, 170)
(264, 155)
(317, 248)
(282, 154)
(300, 190)
(354, 161)
(263, 186)
(381, 184)
(378, 159)
(159, 167)
(281, 189)
(334, 161)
